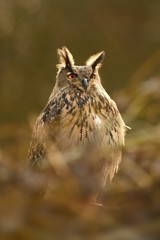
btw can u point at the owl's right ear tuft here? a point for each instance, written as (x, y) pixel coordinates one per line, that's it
(65, 57)
(96, 60)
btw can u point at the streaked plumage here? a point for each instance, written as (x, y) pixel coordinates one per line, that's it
(79, 114)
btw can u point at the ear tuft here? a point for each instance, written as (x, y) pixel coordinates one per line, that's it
(96, 60)
(65, 57)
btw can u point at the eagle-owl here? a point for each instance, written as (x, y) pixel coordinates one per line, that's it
(79, 117)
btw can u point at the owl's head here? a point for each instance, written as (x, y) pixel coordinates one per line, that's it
(80, 77)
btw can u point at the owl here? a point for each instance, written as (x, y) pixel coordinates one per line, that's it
(79, 118)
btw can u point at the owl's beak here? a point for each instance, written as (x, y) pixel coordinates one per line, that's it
(85, 83)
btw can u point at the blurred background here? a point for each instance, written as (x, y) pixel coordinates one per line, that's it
(30, 33)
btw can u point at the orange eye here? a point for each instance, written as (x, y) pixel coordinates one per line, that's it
(71, 75)
(93, 75)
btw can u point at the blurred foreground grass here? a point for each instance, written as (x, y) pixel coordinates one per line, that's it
(131, 202)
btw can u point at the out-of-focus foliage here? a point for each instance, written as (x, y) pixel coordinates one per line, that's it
(30, 32)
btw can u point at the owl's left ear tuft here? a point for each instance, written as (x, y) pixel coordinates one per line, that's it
(65, 57)
(96, 60)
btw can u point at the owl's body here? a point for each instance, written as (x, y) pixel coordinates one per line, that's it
(79, 114)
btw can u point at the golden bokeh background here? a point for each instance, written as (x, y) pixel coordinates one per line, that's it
(30, 33)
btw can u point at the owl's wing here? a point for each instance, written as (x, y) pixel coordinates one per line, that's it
(115, 129)
(37, 150)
